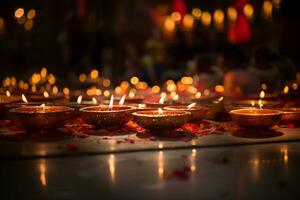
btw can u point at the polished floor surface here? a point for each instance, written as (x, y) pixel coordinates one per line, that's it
(261, 171)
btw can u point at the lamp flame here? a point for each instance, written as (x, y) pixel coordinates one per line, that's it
(286, 89)
(162, 98)
(46, 94)
(221, 99)
(252, 103)
(8, 93)
(122, 100)
(43, 106)
(191, 105)
(131, 94)
(79, 99)
(175, 97)
(111, 102)
(262, 94)
(261, 106)
(160, 111)
(94, 100)
(24, 98)
(141, 105)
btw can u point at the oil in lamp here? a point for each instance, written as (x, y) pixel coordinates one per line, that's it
(106, 115)
(160, 120)
(197, 112)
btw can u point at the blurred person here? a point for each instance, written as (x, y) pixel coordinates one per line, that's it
(208, 75)
(238, 79)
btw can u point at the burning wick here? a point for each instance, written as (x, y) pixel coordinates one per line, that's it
(111, 102)
(131, 95)
(262, 94)
(94, 100)
(141, 105)
(46, 94)
(198, 95)
(79, 99)
(191, 105)
(160, 111)
(8, 93)
(24, 98)
(252, 103)
(122, 100)
(261, 106)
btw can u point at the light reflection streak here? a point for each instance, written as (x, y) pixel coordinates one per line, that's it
(112, 168)
(160, 164)
(43, 170)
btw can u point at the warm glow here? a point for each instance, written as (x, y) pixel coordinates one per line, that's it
(79, 99)
(176, 16)
(46, 94)
(124, 85)
(106, 83)
(66, 91)
(13, 81)
(43, 106)
(295, 86)
(262, 94)
(19, 13)
(162, 97)
(8, 93)
(286, 89)
(131, 94)
(220, 99)
(35, 78)
(43, 72)
(219, 88)
(198, 95)
(51, 79)
(188, 21)
(106, 93)
(232, 14)
(122, 100)
(206, 92)
(111, 102)
(94, 100)
(171, 87)
(175, 97)
(191, 105)
(160, 111)
(94, 74)
(276, 3)
(43, 170)
(134, 80)
(31, 14)
(252, 103)
(261, 106)
(187, 80)
(267, 8)
(206, 18)
(55, 90)
(196, 12)
(169, 24)
(112, 167)
(24, 99)
(28, 25)
(160, 164)
(264, 86)
(82, 77)
(155, 89)
(33, 88)
(218, 16)
(248, 10)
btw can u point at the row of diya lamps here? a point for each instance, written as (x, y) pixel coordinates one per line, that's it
(45, 116)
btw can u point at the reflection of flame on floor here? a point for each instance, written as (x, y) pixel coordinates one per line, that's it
(112, 169)
(43, 169)
(193, 160)
(160, 164)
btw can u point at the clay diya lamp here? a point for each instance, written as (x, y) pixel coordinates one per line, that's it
(159, 120)
(255, 117)
(197, 112)
(290, 115)
(40, 118)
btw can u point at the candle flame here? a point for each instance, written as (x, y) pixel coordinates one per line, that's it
(252, 103)
(122, 100)
(191, 105)
(79, 99)
(8, 93)
(24, 98)
(111, 102)
(160, 111)
(43, 106)
(198, 95)
(46, 94)
(131, 94)
(94, 100)
(286, 89)
(141, 106)
(221, 99)
(262, 94)
(175, 97)
(259, 102)
(162, 98)
(261, 106)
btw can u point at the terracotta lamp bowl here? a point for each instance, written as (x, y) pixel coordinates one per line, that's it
(290, 115)
(197, 112)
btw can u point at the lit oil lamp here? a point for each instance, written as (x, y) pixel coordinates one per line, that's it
(40, 118)
(107, 115)
(161, 120)
(197, 112)
(23, 103)
(290, 115)
(79, 103)
(255, 117)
